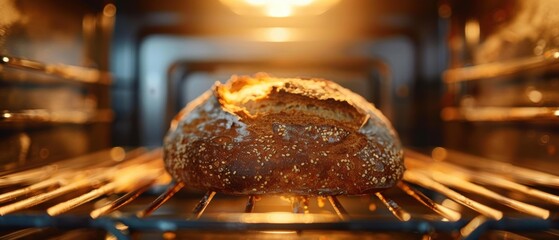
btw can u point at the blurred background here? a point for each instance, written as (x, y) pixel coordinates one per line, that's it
(476, 76)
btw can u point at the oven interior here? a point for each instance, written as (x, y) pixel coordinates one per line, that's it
(88, 89)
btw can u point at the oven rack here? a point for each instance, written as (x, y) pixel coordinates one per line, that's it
(456, 81)
(76, 74)
(546, 61)
(116, 171)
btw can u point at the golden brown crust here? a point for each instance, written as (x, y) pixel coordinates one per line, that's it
(263, 135)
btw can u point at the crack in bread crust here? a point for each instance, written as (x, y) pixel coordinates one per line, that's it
(264, 135)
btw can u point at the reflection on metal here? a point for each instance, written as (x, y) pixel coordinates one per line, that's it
(445, 212)
(283, 217)
(464, 185)
(49, 172)
(472, 32)
(485, 177)
(93, 194)
(203, 204)
(419, 178)
(277, 34)
(300, 204)
(109, 10)
(27, 190)
(132, 179)
(73, 73)
(394, 208)
(498, 114)
(547, 60)
(122, 201)
(43, 116)
(474, 225)
(338, 208)
(116, 178)
(505, 170)
(173, 188)
(250, 204)
(25, 143)
(23, 233)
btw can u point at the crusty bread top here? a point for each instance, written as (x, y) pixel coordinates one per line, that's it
(264, 122)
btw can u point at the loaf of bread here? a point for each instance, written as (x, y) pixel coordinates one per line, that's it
(264, 135)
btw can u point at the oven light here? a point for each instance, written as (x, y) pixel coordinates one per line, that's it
(279, 8)
(556, 113)
(5, 59)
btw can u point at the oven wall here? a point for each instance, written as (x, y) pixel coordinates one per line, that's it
(156, 43)
(501, 88)
(41, 107)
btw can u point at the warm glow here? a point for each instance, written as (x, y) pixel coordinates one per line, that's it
(279, 8)
(252, 91)
(451, 205)
(276, 34)
(472, 226)
(256, 2)
(169, 235)
(281, 217)
(535, 96)
(472, 31)
(109, 10)
(117, 154)
(438, 154)
(280, 232)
